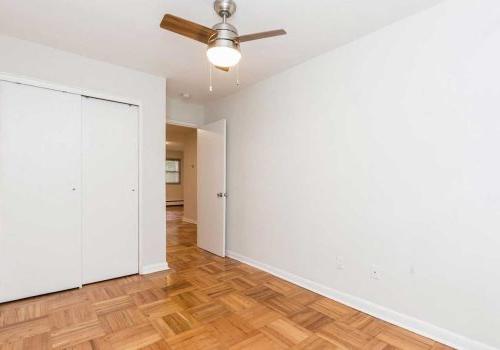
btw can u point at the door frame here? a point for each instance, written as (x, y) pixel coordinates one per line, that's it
(104, 96)
(184, 124)
(200, 127)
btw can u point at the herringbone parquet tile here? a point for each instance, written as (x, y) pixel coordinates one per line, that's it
(203, 302)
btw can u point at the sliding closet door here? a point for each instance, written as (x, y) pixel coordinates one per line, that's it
(110, 199)
(40, 204)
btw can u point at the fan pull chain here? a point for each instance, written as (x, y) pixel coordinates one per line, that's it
(210, 87)
(238, 75)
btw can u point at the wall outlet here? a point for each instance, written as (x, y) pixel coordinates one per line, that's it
(340, 263)
(375, 273)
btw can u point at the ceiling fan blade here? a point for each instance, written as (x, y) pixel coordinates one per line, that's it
(225, 69)
(261, 35)
(187, 28)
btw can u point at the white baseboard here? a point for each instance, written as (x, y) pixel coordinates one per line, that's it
(154, 268)
(423, 328)
(191, 221)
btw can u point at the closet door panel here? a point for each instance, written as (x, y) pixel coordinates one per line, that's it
(110, 199)
(40, 203)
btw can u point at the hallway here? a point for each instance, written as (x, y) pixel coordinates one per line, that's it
(178, 232)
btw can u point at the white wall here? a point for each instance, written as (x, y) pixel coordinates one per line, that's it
(383, 152)
(30, 60)
(185, 112)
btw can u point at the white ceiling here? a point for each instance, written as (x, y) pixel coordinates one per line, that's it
(127, 33)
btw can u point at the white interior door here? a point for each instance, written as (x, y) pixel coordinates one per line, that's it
(40, 200)
(110, 197)
(212, 187)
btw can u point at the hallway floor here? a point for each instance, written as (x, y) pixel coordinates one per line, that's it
(202, 302)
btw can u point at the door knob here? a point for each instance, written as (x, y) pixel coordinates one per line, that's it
(220, 194)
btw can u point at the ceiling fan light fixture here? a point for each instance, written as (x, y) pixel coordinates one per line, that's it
(222, 39)
(224, 53)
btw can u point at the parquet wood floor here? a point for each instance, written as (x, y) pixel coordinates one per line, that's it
(203, 302)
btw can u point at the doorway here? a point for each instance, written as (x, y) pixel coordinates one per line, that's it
(195, 184)
(181, 188)
(181, 172)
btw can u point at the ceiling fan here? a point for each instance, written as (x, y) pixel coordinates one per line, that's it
(223, 41)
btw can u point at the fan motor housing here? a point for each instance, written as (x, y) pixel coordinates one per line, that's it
(225, 31)
(227, 36)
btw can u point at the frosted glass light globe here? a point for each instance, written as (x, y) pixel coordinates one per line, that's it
(223, 56)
